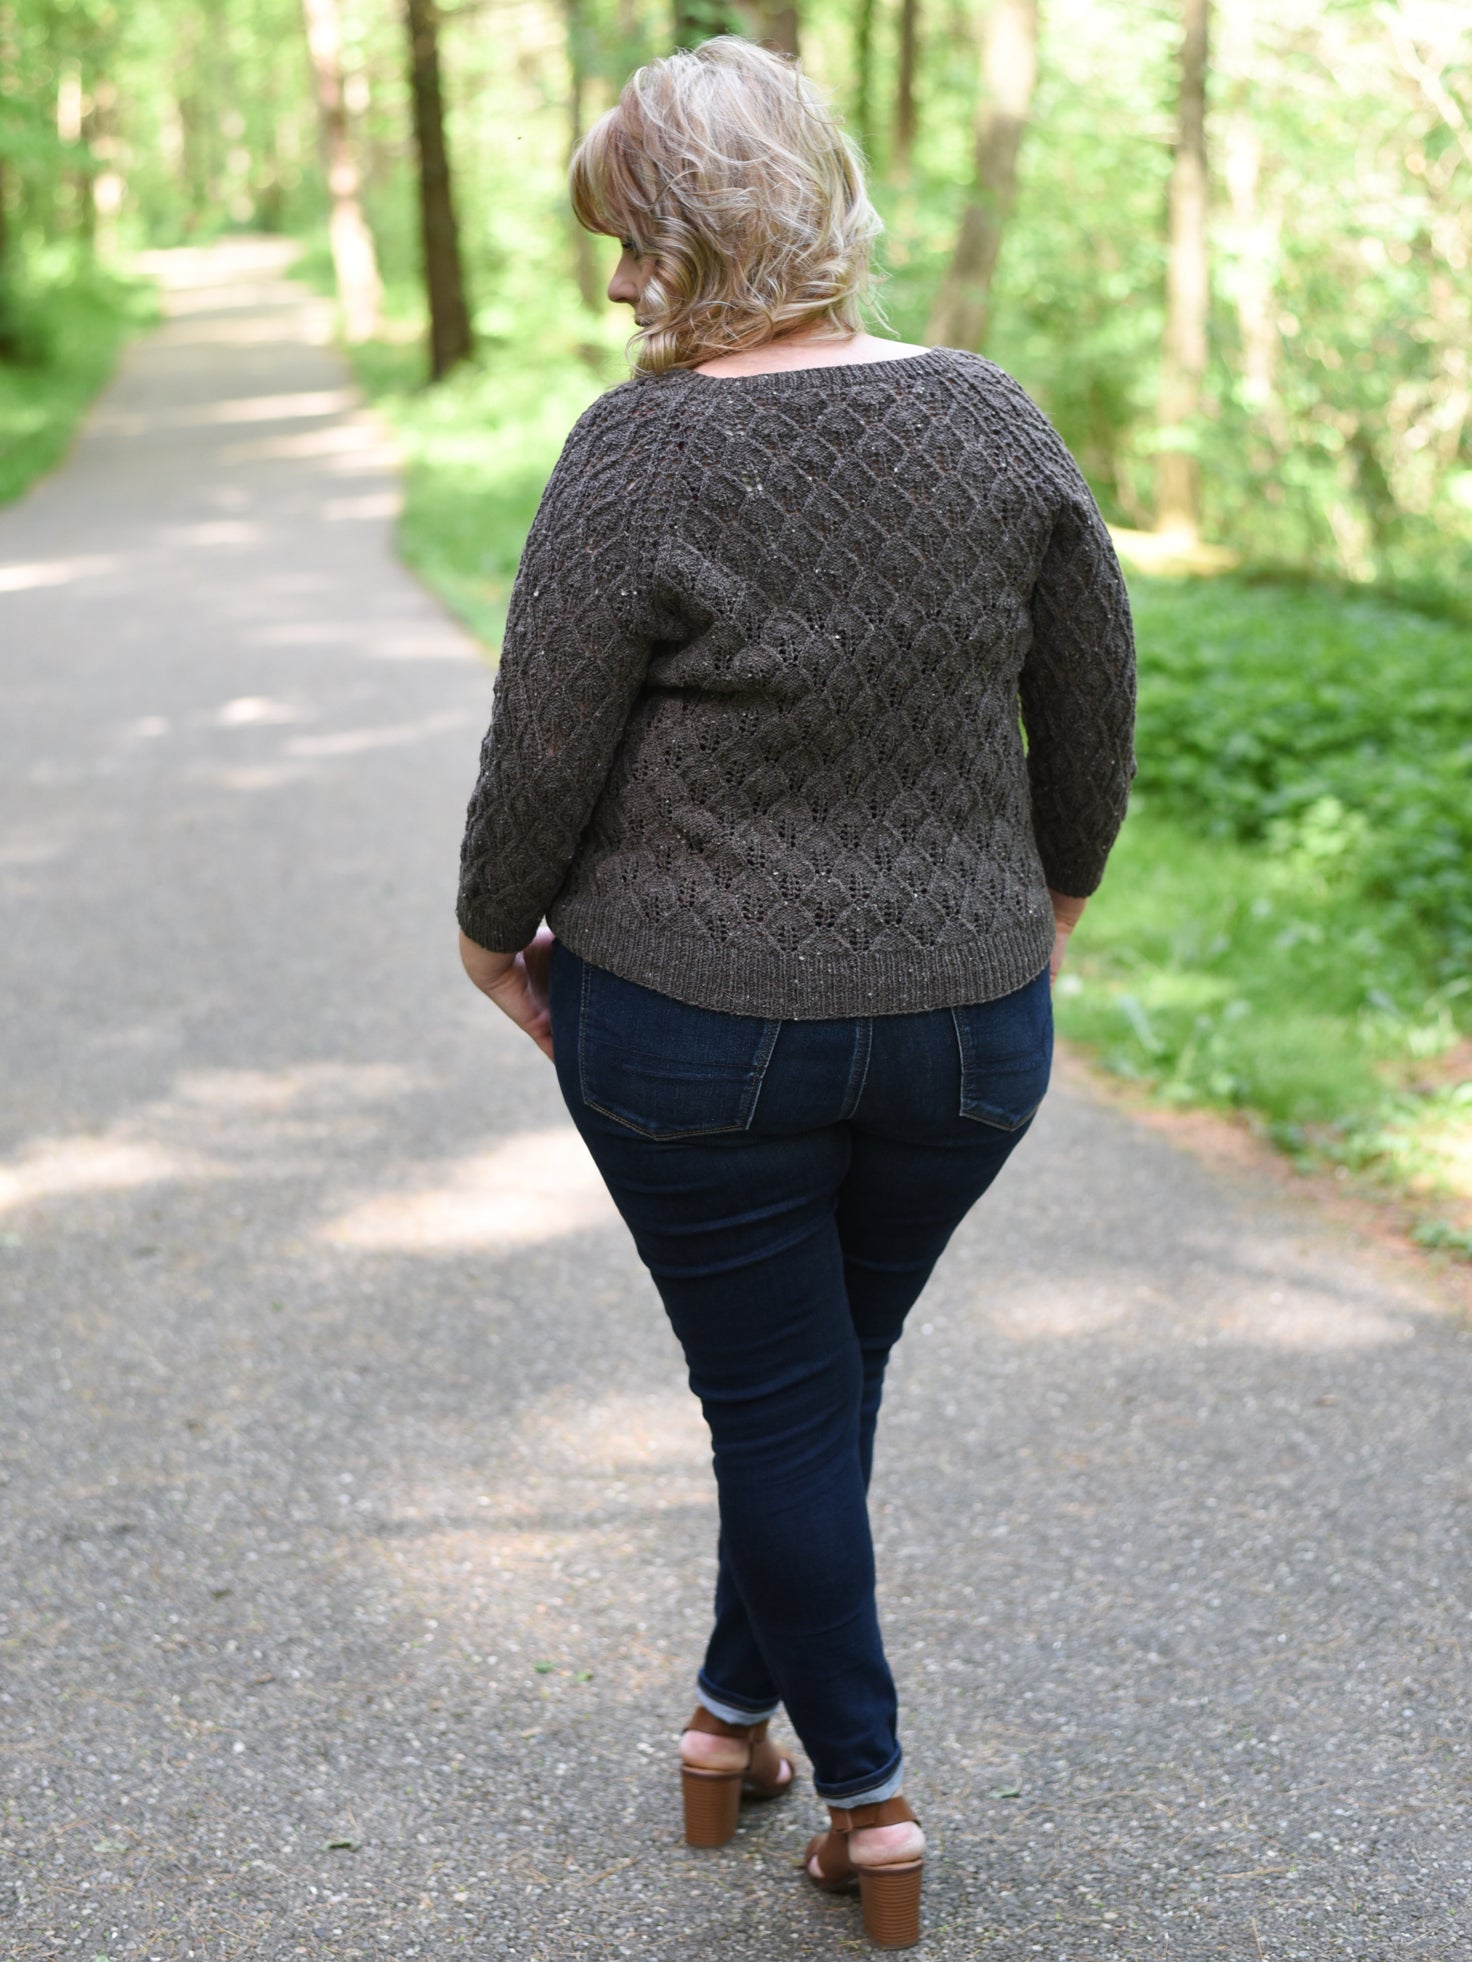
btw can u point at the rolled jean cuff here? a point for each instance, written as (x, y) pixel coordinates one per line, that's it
(869, 1792)
(731, 1712)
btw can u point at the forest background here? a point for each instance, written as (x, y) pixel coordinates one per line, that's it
(1226, 247)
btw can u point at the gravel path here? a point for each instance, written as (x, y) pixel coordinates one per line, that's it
(357, 1523)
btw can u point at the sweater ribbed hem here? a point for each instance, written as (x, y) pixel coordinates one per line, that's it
(810, 987)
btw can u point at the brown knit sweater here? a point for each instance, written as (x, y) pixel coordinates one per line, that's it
(755, 739)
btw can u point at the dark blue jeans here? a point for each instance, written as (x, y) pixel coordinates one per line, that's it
(790, 1186)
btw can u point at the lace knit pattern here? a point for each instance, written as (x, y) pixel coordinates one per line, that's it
(755, 739)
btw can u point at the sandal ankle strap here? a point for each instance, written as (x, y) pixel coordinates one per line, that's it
(857, 1818)
(718, 1727)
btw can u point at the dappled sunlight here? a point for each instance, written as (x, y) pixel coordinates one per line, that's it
(432, 640)
(1263, 1296)
(25, 849)
(214, 1125)
(570, 1512)
(350, 444)
(280, 408)
(217, 268)
(299, 752)
(336, 1085)
(627, 1435)
(1175, 553)
(373, 506)
(1309, 1319)
(56, 572)
(249, 710)
(1047, 1311)
(1454, 1150)
(307, 322)
(306, 404)
(354, 742)
(535, 1186)
(62, 1168)
(211, 531)
(246, 777)
(297, 633)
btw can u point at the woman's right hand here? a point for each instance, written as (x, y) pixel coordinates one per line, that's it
(1066, 916)
(516, 983)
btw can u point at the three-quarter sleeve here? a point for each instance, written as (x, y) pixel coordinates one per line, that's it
(1078, 693)
(573, 661)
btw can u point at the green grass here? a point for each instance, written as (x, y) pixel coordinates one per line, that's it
(1287, 919)
(64, 325)
(1286, 923)
(1218, 975)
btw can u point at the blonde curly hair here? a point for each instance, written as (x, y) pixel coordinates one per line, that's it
(726, 171)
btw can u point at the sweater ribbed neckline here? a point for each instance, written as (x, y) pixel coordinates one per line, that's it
(783, 379)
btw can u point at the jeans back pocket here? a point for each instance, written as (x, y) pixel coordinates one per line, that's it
(1006, 1049)
(663, 1067)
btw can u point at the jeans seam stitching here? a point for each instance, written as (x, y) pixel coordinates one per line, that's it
(961, 1110)
(859, 1067)
(582, 1032)
(664, 1137)
(757, 1074)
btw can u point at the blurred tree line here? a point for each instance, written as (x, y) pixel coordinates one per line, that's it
(1227, 246)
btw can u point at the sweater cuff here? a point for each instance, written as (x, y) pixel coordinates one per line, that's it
(494, 931)
(1075, 875)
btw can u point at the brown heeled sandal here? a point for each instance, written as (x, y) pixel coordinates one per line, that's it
(890, 1894)
(713, 1798)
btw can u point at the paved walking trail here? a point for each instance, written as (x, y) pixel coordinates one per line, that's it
(357, 1523)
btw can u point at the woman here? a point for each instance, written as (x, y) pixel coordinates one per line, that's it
(755, 755)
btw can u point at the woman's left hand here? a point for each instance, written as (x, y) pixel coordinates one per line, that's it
(1066, 915)
(516, 983)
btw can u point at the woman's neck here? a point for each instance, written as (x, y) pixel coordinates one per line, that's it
(807, 350)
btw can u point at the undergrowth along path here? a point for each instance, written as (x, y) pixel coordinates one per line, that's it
(358, 1528)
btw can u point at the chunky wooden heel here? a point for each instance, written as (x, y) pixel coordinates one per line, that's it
(891, 1902)
(890, 1894)
(712, 1805)
(713, 1798)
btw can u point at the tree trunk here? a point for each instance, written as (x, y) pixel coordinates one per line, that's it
(353, 257)
(864, 76)
(585, 264)
(959, 316)
(770, 22)
(904, 93)
(71, 130)
(8, 346)
(449, 317)
(10, 335)
(1187, 288)
(1258, 228)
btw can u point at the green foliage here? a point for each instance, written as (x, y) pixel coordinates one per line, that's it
(1205, 969)
(1285, 922)
(69, 321)
(1335, 732)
